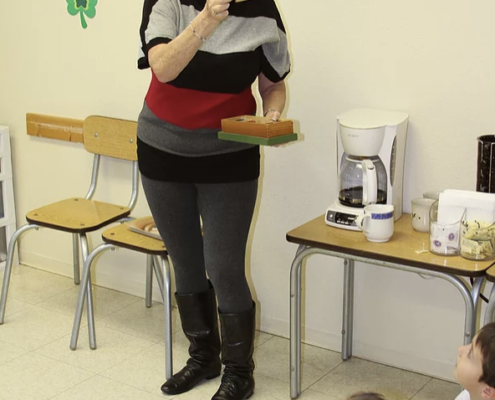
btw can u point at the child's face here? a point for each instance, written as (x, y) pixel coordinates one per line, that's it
(468, 369)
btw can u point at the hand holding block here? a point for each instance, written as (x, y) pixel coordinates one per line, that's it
(257, 130)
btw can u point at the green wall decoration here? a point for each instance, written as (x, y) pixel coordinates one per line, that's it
(82, 7)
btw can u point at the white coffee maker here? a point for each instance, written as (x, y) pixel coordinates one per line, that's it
(370, 155)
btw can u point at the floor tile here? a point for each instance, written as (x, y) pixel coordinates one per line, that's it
(261, 337)
(8, 352)
(105, 302)
(33, 376)
(309, 394)
(137, 320)
(100, 388)
(272, 360)
(146, 370)
(36, 363)
(438, 390)
(272, 389)
(14, 305)
(35, 327)
(358, 375)
(113, 347)
(33, 285)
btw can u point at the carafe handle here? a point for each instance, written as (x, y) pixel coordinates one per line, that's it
(369, 182)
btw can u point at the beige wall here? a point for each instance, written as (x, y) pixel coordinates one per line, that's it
(434, 60)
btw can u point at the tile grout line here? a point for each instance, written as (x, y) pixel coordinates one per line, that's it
(72, 387)
(134, 387)
(122, 361)
(315, 382)
(431, 379)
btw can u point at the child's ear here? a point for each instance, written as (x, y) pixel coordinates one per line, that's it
(488, 393)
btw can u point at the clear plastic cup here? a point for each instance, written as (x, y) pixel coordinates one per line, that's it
(477, 240)
(445, 235)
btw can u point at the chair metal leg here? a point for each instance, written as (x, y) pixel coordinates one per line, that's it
(149, 280)
(75, 256)
(159, 275)
(89, 295)
(167, 307)
(83, 292)
(8, 266)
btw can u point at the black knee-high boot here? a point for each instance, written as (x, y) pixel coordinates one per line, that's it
(198, 314)
(237, 356)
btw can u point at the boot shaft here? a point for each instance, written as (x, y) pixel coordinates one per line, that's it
(199, 320)
(237, 356)
(238, 338)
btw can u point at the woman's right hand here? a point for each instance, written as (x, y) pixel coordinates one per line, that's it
(217, 9)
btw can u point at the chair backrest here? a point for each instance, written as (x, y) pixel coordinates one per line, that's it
(110, 137)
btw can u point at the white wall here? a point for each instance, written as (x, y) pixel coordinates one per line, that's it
(434, 60)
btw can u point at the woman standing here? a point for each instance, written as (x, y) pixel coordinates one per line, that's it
(204, 56)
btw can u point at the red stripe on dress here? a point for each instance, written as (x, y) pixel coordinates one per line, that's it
(195, 109)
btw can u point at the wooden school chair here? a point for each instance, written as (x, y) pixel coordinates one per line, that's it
(103, 136)
(122, 236)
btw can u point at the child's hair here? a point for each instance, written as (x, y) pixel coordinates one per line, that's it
(366, 396)
(486, 343)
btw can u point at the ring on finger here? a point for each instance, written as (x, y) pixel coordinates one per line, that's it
(213, 12)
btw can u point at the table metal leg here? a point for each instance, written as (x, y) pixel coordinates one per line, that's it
(295, 323)
(348, 310)
(475, 294)
(470, 299)
(490, 308)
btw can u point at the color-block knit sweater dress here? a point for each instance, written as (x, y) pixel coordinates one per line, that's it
(180, 119)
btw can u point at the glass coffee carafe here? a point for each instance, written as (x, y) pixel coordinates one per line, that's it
(363, 181)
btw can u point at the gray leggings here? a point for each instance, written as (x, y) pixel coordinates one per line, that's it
(226, 210)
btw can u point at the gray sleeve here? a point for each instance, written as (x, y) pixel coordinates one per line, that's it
(163, 23)
(275, 63)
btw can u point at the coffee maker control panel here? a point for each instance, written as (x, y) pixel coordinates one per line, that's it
(341, 220)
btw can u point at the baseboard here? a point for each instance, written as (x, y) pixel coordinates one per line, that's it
(398, 359)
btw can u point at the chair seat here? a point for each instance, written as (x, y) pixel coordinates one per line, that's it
(77, 215)
(490, 274)
(123, 236)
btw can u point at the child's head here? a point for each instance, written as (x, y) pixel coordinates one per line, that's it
(475, 367)
(366, 396)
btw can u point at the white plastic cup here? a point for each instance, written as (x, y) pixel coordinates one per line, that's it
(420, 214)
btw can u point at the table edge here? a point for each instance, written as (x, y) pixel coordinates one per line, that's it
(379, 257)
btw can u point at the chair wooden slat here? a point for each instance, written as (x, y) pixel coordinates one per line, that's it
(111, 137)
